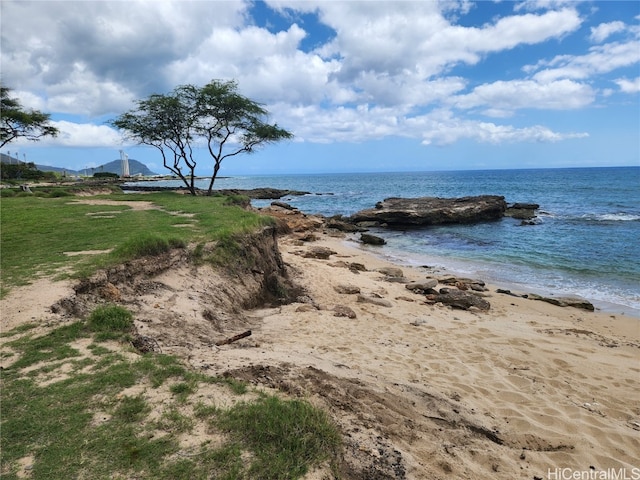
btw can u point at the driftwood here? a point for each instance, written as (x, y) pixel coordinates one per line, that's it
(234, 338)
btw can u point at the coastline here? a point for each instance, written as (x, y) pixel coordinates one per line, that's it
(554, 385)
(584, 243)
(465, 267)
(419, 391)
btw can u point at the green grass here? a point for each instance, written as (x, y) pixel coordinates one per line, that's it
(85, 426)
(111, 318)
(88, 424)
(37, 232)
(284, 436)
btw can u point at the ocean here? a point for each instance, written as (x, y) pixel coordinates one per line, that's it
(586, 240)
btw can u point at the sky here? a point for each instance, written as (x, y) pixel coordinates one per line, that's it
(364, 86)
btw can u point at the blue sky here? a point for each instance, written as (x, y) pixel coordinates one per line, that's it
(363, 85)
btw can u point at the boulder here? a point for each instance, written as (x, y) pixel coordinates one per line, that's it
(369, 239)
(421, 287)
(459, 299)
(464, 283)
(575, 302)
(343, 226)
(424, 211)
(522, 211)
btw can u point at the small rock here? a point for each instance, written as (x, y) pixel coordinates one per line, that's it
(391, 272)
(322, 253)
(284, 205)
(347, 289)
(343, 311)
(375, 301)
(357, 267)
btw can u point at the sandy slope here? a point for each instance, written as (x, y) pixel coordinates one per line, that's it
(421, 391)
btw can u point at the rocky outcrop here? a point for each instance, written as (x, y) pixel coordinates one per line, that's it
(522, 211)
(575, 302)
(261, 193)
(254, 193)
(424, 211)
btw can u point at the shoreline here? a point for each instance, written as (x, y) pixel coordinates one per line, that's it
(420, 391)
(554, 384)
(447, 266)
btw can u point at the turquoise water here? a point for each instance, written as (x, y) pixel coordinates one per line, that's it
(586, 241)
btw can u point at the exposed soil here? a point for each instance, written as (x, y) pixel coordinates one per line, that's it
(418, 393)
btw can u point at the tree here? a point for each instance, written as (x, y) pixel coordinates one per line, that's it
(215, 116)
(16, 122)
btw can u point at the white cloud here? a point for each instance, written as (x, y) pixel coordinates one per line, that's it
(600, 59)
(415, 37)
(82, 135)
(506, 96)
(387, 71)
(268, 66)
(604, 30)
(629, 86)
(46, 46)
(532, 5)
(341, 124)
(441, 128)
(82, 93)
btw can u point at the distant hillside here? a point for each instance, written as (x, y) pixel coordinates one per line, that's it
(135, 167)
(46, 168)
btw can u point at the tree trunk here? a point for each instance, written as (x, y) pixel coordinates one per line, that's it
(216, 167)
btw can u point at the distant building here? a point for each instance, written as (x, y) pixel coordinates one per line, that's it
(124, 159)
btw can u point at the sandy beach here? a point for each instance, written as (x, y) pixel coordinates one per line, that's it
(524, 390)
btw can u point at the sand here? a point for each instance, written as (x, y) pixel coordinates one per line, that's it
(525, 390)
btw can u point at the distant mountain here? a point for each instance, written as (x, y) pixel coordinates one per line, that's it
(46, 168)
(135, 167)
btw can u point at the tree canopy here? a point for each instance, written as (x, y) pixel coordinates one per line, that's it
(215, 117)
(15, 122)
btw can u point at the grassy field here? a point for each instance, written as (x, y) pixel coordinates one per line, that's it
(39, 235)
(79, 402)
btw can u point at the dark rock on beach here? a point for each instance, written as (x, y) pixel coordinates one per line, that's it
(369, 239)
(459, 299)
(321, 253)
(424, 211)
(423, 286)
(575, 302)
